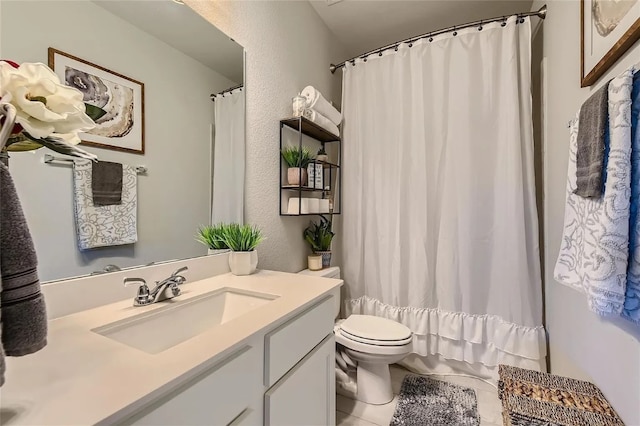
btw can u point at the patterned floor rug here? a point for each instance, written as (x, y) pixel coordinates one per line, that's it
(424, 401)
(533, 398)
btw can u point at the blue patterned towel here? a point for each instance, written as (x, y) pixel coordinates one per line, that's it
(594, 251)
(631, 309)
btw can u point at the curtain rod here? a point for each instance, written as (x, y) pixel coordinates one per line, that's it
(213, 95)
(540, 13)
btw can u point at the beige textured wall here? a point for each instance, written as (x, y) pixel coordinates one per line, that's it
(287, 47)
(582, 345)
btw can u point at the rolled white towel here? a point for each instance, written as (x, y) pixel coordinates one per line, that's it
(316, 101)
(321, 121)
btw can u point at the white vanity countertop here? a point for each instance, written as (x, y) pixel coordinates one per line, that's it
(81, 377)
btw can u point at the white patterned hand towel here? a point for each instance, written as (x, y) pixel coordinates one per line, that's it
(594, 249)
(316, 101)
(321, 121)
(100, 226)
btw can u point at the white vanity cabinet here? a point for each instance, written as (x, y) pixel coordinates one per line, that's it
(282, 376)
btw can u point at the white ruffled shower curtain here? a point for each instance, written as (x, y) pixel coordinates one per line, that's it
(228, 159)
(440, 229)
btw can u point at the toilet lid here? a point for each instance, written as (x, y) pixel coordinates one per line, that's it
(370, 328)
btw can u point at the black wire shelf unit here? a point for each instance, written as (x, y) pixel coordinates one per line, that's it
(331, 174)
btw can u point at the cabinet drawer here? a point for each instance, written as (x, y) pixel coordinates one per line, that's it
(290, 342)
(218, 396)
(306, 395)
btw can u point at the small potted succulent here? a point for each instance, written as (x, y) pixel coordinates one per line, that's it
(322, 154)
(242, 240)
(297, 161)
(211, 236)
(319, 236)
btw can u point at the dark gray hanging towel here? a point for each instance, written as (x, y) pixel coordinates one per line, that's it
(106, 183)
(23, 317)
(594, 122)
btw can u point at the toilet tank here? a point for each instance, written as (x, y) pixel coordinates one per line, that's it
(333, 272)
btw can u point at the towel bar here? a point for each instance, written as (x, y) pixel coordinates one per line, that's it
(49, 158)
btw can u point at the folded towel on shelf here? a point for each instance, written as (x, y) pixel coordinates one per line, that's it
(631, 310)
(317, 102)
(100, 226)
(321, 121)
(591, 134)
(23, 315)
(106, 183)
(595, 243)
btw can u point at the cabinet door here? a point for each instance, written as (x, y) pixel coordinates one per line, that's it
(306, 394)
(224, 393)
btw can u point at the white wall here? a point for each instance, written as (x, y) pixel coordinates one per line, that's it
(173, 199)
(582, 345)
(287, 47)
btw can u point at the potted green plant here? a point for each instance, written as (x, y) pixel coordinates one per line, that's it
(242, 240)
(322, 154)
(297, 160)
(211, 236)
(319, 236)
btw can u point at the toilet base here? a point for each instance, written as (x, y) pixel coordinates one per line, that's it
(374, 383)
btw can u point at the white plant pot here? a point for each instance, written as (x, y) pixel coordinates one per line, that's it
(314, 262)
(216, 251)
(243, 262)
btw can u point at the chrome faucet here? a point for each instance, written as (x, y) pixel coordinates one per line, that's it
(165, 289)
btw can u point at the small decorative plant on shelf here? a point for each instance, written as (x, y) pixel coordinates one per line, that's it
(319, 236)
(242, 240)
(297, 160)
(48, 113)
(322, 154)
(211, 236)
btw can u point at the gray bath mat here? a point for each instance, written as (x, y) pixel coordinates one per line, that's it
(423, 401)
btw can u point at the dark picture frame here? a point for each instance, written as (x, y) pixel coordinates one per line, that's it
(123, 127)
(591, 74)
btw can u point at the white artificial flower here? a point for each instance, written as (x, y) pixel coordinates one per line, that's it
(44, 106)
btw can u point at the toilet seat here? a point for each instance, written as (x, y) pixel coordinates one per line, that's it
(374, 335)
(375, 342)
(375, 330)
(367, 348)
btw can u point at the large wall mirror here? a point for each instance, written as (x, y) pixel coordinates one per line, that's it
(188, 69)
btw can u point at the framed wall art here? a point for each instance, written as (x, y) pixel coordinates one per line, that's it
(608, 29)
(121, 128)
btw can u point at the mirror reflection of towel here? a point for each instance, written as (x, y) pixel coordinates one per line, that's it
(23, 315)
(100, 226)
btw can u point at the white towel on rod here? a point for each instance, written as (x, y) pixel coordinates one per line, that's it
(594, 249)
(100, 226)
(317, 102)
(321, 121)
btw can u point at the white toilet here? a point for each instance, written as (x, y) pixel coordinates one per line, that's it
(373, 342)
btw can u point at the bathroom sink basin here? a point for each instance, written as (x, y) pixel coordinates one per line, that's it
(161, 329)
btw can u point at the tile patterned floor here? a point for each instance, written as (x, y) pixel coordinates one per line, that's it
(356, 413)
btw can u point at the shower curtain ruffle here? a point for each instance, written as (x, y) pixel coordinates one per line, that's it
(486, 339)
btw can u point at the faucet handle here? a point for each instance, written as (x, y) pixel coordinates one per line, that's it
(128, 281)
(184, 268)
(143, 296)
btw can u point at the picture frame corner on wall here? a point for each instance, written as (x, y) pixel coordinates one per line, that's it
(122, 127)
(607, 30)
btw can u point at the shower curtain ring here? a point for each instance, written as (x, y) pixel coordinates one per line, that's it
(480, 27)
(504, 21)
(430, 38)
(455, 33)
